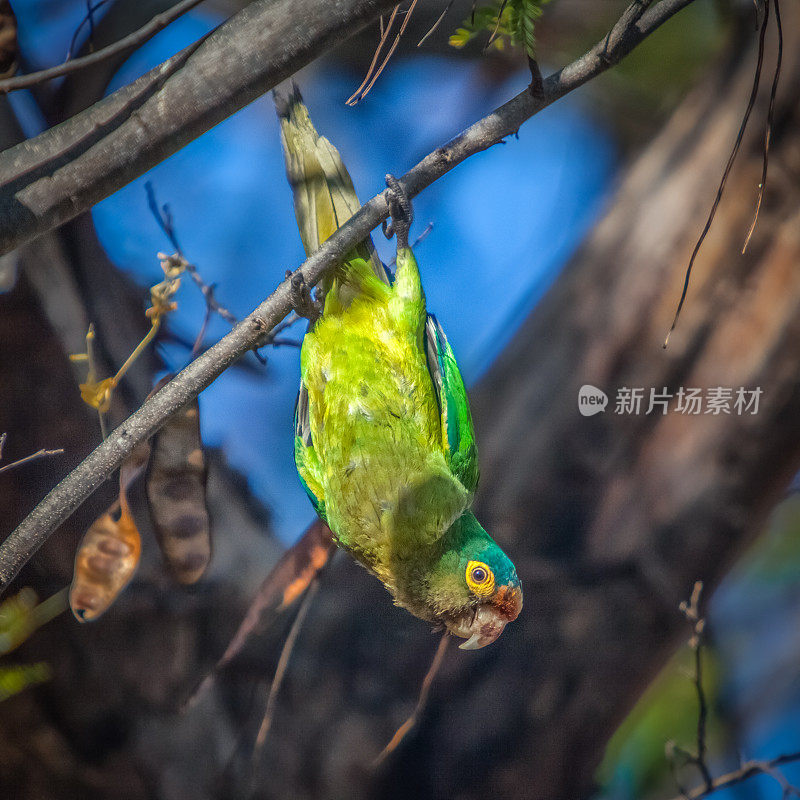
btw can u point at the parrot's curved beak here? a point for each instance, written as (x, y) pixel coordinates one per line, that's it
(485, 624)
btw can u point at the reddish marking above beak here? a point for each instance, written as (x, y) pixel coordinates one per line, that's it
(489, 619)
(508, 601)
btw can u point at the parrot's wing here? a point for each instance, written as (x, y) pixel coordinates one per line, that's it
(305, 456)
(458, 435)
(427, 506)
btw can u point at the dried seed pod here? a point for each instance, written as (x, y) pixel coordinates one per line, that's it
(176, 491)
(105, 563)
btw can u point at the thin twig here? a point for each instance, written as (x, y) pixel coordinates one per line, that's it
(37, 527)
(73, 42)
(670, 752)
(371, 77)
(32, 457)
(201, 334)
(731, 159)
(280, 671)
(500, 11)
(91, 376)
(389, 55)
(133, 40)
(163, 217)
(297, 568)
(90, 16)
(746, 771)
(382, 39)
(770, 122)
(422, 701)
(436, 24)
(691, 611)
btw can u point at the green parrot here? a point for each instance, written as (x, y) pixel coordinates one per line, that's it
(384, 442)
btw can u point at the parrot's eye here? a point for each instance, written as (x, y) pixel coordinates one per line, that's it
(480, 578)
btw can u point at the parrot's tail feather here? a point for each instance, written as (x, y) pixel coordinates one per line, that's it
(324, 197)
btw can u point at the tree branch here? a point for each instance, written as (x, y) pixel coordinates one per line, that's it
(64, 171)
(32, 457)
(84, 479)
(127, 44)
(748, 770)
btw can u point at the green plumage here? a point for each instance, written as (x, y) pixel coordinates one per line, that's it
(384, 442)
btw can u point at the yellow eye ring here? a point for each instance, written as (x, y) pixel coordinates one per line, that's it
(480, 578)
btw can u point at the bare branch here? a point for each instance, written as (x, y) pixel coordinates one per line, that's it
(129, 43)
(280, 672)
(726, 173)
(770, 123)
(691, 610)
(32, 457)
(748, 770)
(297, 569)
(425, 690)
(504, 121)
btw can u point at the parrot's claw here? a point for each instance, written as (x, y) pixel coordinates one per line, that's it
(401, 211)
(304, 304)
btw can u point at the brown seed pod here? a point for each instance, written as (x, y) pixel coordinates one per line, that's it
(176, 491)
(105, 563)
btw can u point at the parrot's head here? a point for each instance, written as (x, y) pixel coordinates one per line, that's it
(475, 586)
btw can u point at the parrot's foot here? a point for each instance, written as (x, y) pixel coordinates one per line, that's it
(304, 304)
(401, 211)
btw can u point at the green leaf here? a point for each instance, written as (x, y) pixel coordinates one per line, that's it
(506, 21)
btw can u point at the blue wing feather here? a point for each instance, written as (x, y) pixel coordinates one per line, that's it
(459, 438)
